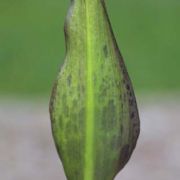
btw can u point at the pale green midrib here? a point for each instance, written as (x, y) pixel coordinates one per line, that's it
(89, 138)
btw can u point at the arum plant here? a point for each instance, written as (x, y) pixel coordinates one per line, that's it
(95, 122)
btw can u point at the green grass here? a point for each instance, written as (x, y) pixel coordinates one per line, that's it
(32, 43)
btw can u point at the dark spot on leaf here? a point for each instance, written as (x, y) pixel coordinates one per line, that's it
(124, 71)
(137, 130)
(103, 93)
(69, 78)
(131, 102)
(105, 50)
(74, 103)
(78, 88)
(109, 116)
(124, 156)
(94, 79)
(122, 106)
(83, 89)
(124, 97)
(53, 95)
(66, 110)
(120, 96)
(115, 142)
(132, 115)
(122, 129)
(130, 94)
(64, 98)
(60, 122)
(127, 87)
(121, 64)
(81, 117)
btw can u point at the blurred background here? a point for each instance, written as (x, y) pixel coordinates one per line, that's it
(32, 50)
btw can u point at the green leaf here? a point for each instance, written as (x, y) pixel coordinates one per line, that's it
(94, 115)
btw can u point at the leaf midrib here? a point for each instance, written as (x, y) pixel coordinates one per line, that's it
(89, 141)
